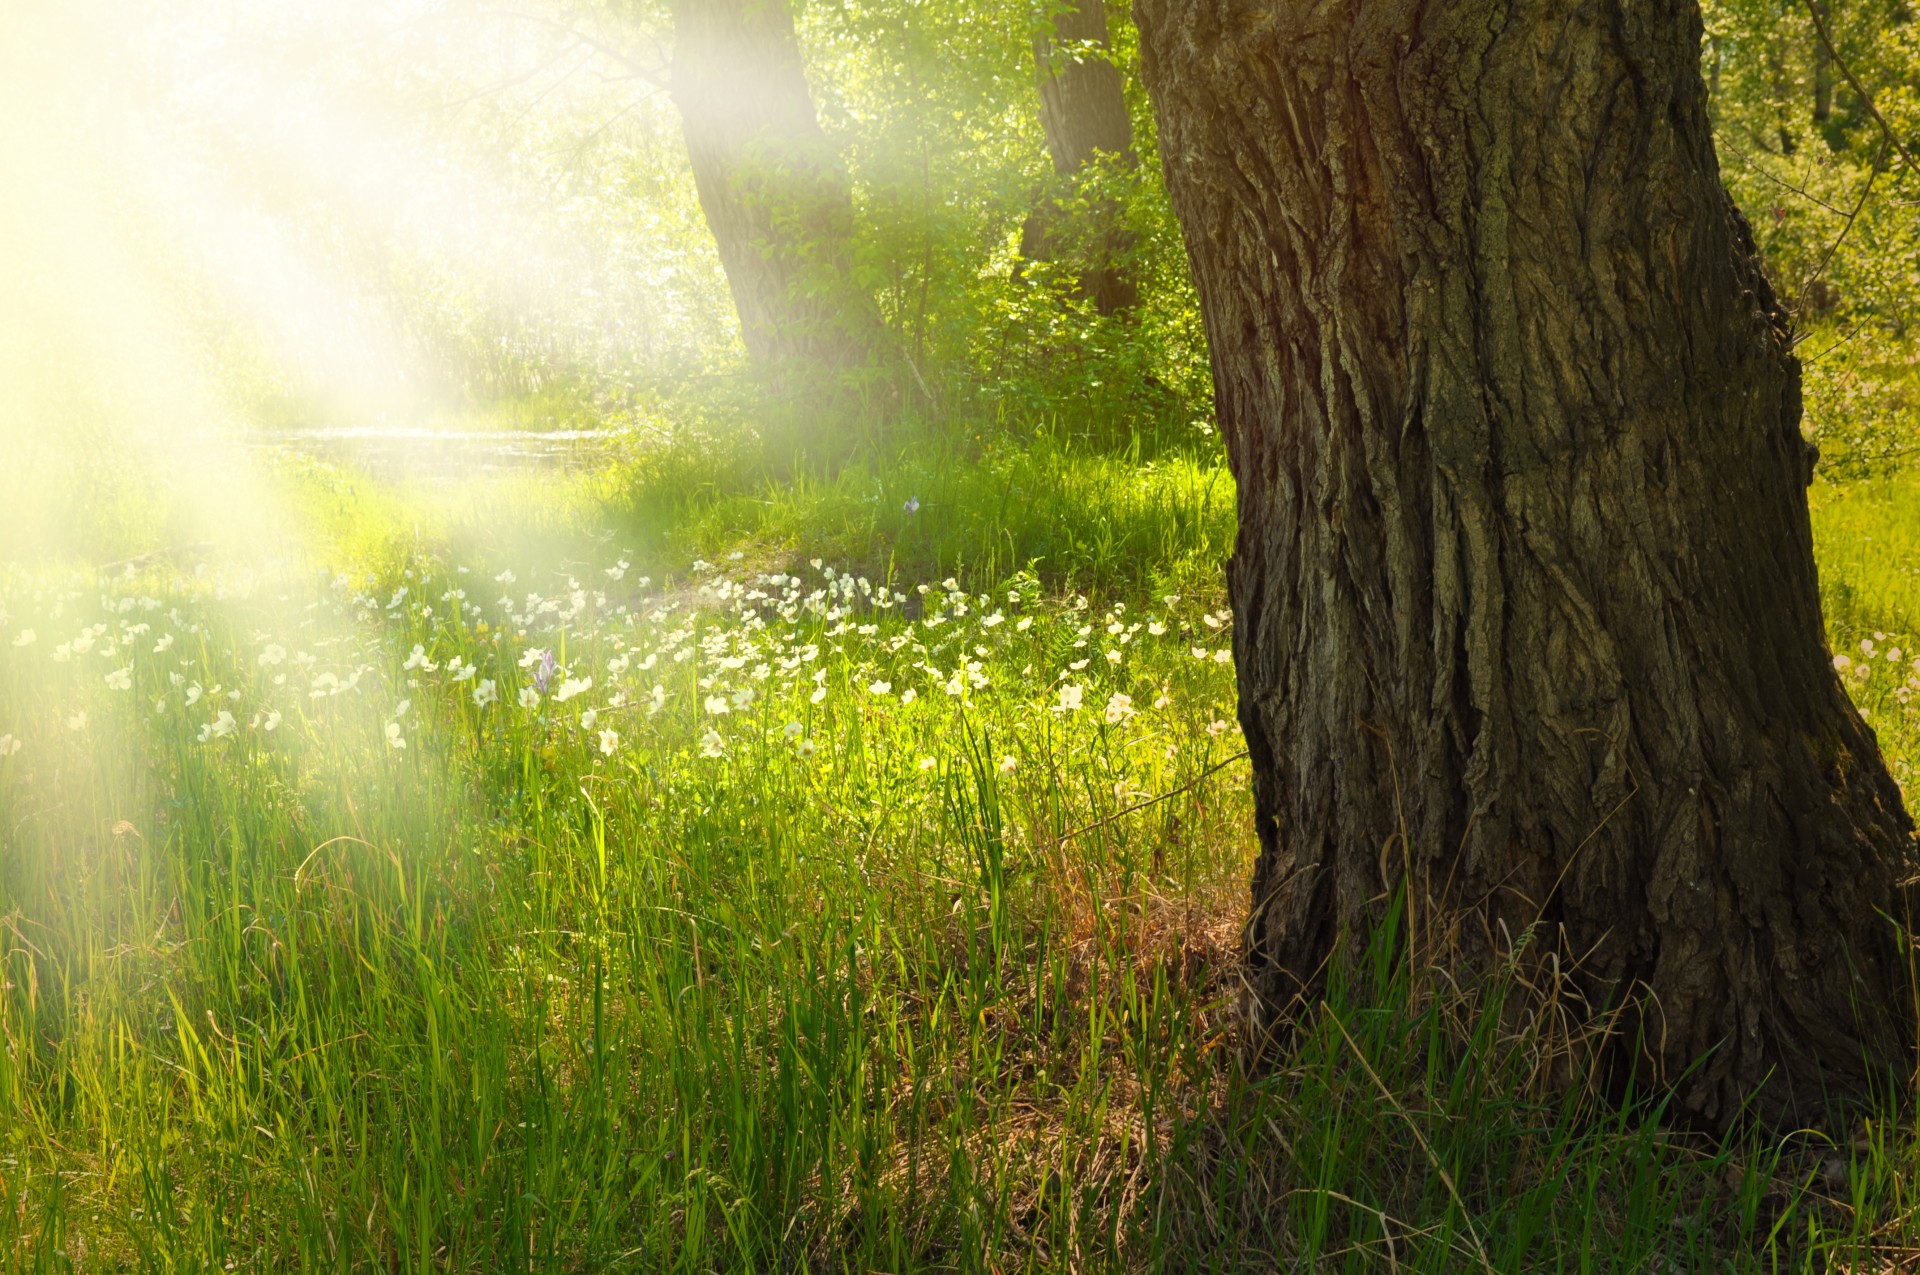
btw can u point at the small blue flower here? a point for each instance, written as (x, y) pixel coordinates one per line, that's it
(545, 673)
(913, 505)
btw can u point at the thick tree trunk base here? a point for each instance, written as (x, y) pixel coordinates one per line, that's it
(1526, 612)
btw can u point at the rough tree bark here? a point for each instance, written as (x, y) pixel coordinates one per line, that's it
(1525, 604)
(1083, 111)
(775, 195)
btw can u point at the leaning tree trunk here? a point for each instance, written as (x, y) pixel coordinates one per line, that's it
(1083, 111)
(1526, 614)
(775, 195)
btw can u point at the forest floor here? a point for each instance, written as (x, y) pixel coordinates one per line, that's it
(654, 866)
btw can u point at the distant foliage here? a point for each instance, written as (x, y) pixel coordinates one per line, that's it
(1831, 202)
(548, 243)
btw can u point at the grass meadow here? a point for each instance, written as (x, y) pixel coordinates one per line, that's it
(663, 869)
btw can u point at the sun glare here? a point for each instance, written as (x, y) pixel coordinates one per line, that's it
(227, 217)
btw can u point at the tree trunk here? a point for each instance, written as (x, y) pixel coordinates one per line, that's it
(1822, 74)
(1526, 614)
(1083, 102)
(774, 192)
(1083, 110)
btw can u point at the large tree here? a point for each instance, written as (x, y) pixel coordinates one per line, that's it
(776, 196)
(1526, 612)
(1083, 112)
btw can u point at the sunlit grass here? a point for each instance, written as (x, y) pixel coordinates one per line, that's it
(578, 913)
(442, 908)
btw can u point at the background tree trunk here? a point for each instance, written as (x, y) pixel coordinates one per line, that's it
(1524, 593)
(774, 192)
(1822, 74)
(1083, 110)
(1083, 102)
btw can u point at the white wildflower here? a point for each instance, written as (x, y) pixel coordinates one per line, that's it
(486, 693)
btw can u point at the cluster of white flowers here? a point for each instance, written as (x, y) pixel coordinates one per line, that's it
(774, 658)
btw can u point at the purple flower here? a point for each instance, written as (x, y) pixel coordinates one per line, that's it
(545, 672)
(913, 505)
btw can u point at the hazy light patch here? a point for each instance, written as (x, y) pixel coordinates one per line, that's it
(222, 216)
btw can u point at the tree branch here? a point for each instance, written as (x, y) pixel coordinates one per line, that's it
(1866, 99)
(1866, 189)
(1189, 786)
(633, 65)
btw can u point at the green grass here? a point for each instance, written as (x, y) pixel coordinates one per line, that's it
(838, 978)
(1867, 542)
